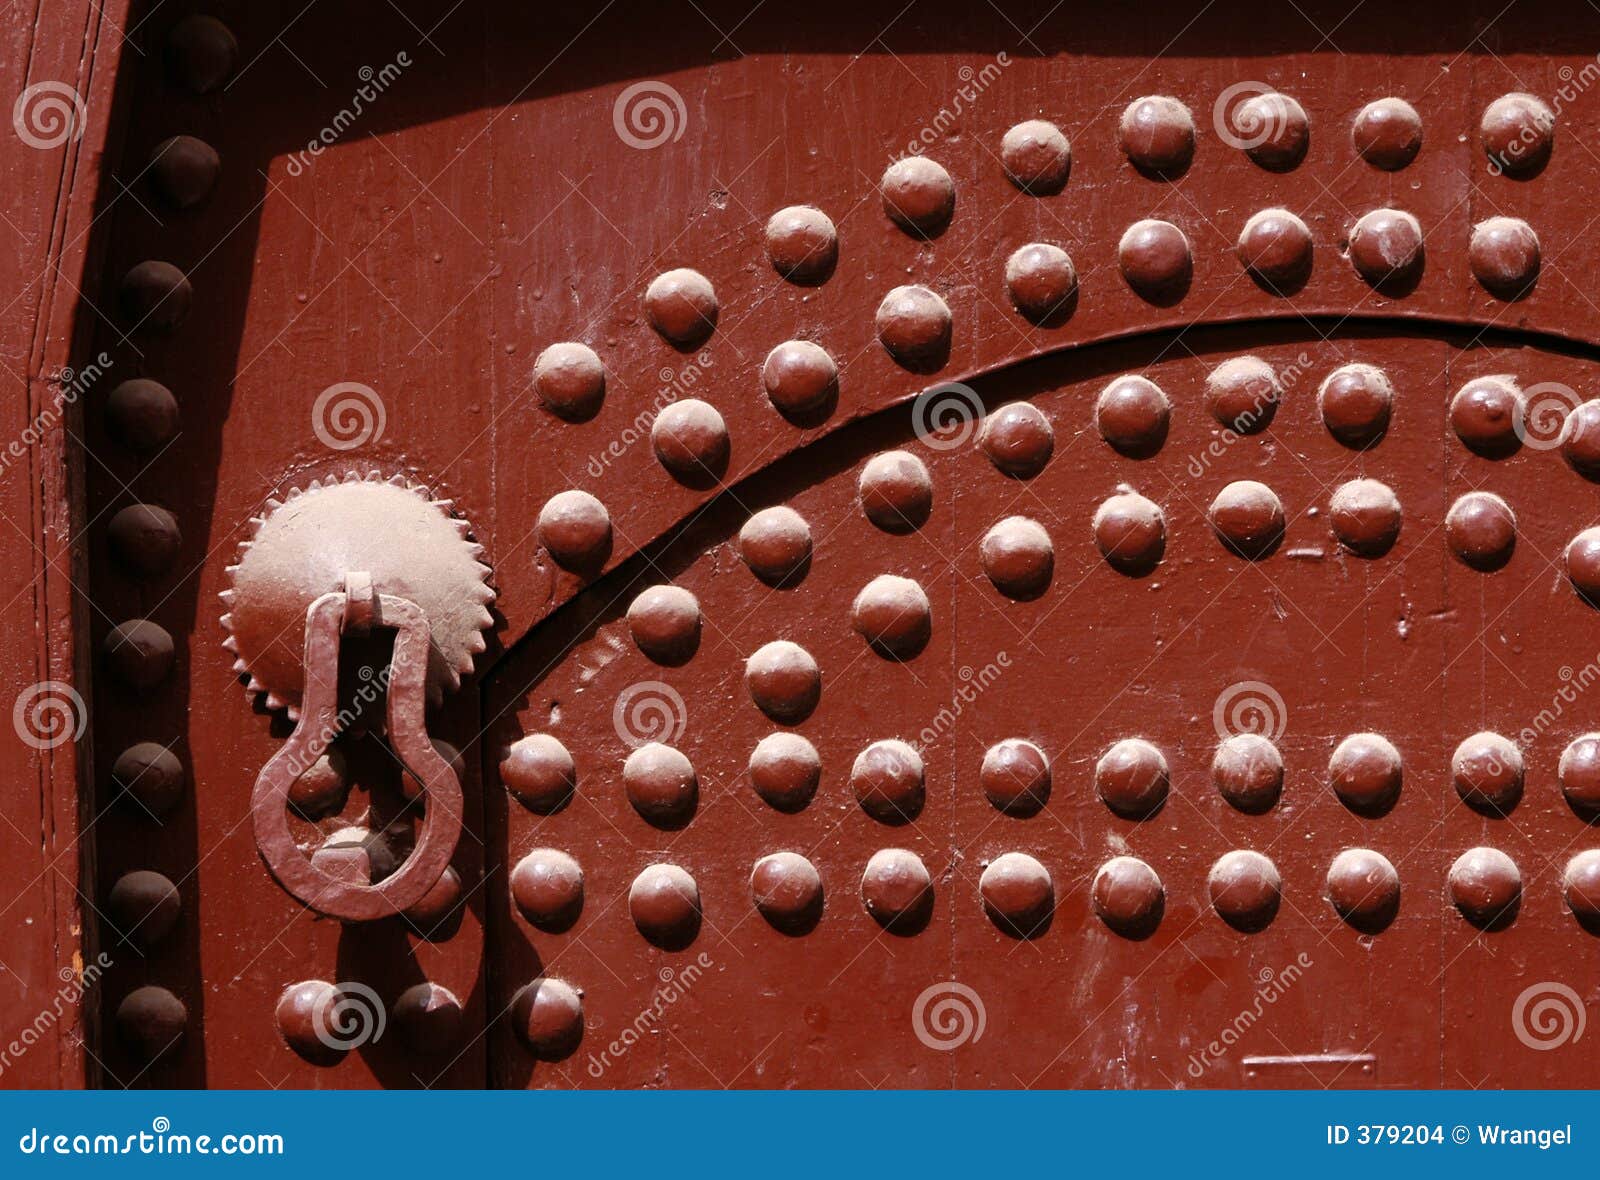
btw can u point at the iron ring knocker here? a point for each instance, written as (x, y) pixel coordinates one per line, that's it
(356, 608)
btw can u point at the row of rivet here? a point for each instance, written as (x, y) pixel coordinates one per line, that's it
(142, 415)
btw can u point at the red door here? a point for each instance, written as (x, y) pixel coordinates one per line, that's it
(939, 554)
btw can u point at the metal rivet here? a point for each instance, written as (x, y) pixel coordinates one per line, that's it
(1042, 283)
(1245, 889)
(1247, 517)
(918, 196)
(775, 544)
(1364, 889)
(570, 380)
(435, 916)
(1243, 394)
(428, 1018)
(1131, 533)
(1133, 414)
(1580, 885)
(576, 528)
(1128, 896)
(665, 623)
(1486, 887)
(897, 890)
(1018, 439)
(548, 1017)
(139, 653)
(151, 776)
(1581, 559)
(151, 1020)
(202, 53)
(1157, 136)
(661, 784)
(1274, 130)
(540, 772)
(1481, 530)
(785, 770)
(1036, 157)
(1580, 440)
(784, 681)
(1388, 133)
(1015, 776)
(547, 888)
(802, 244)
(1156, 261)
(142, 415)
(1275, 247)
(1386, 249)
(888, 780)
(1132, 778)
(802, 381)
(665, 904)
(1504, 256)
(155, 297)
(1365, 516)
(1248, 772)
(144, 539)
(787, 890)
(323, 789)
(1356, 402)
(1517, 132)
(682, 306)
(183, 170)
(893, 615)
(691, 441)
(1579, 774)
(1366, 773)
(896, 491)
(143, 907)
(913, 325)
(1018, 894)
(1487, 771)
(1018, 557)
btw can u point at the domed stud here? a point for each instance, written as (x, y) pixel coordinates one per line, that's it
(1248, 518)
(436, 916)
(665, 904)
(1245, 890)
(665, 624)
(1580, 440)
(887, 778)
(150, 777)
(1042, 283)
(155, 297)
(1243, 394)
(802, 381)
(1579, 775)
(1036, 157)
(1364, 889)
(1504, 256)
(548, 1017)
(1131, 533)
(913, 325)
(1157, 135)
(1273, 130)
(682, 307)
(784, 681)
(202, 53)
(308, 1021)
(569, 380)
(1365, 516)
(1156, 261)
(775, 544)
(1366, 773)
(143, 907)
(1487, 771)
(1018, 439)
(1248, 772)
(1133, 414)
(661, 784)
(356, 853)
(139, 653)
(1018, 895)
(897, 890)
(142, 415)
(1128, 896)
(1517, 132)
(1015, 777)
(428, 1018)
(576, 529)
(144, 539)
(1481, 530)
(896, 491)
(802, 244)
(1386, 249)
(1388, 133)
(1580, 887)
(1356, 402)
(547, 889)
(785, 770)
(691, 441)
(918, 196)
(1486, 887)
(151, 1021)
(183, 170)
(1488, 415)
(1132, 778)
(893, 615)
(1018, 558)
(1275, 248)
(787, 890)
(538, 770)
(323, 789)
(1582, 561)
